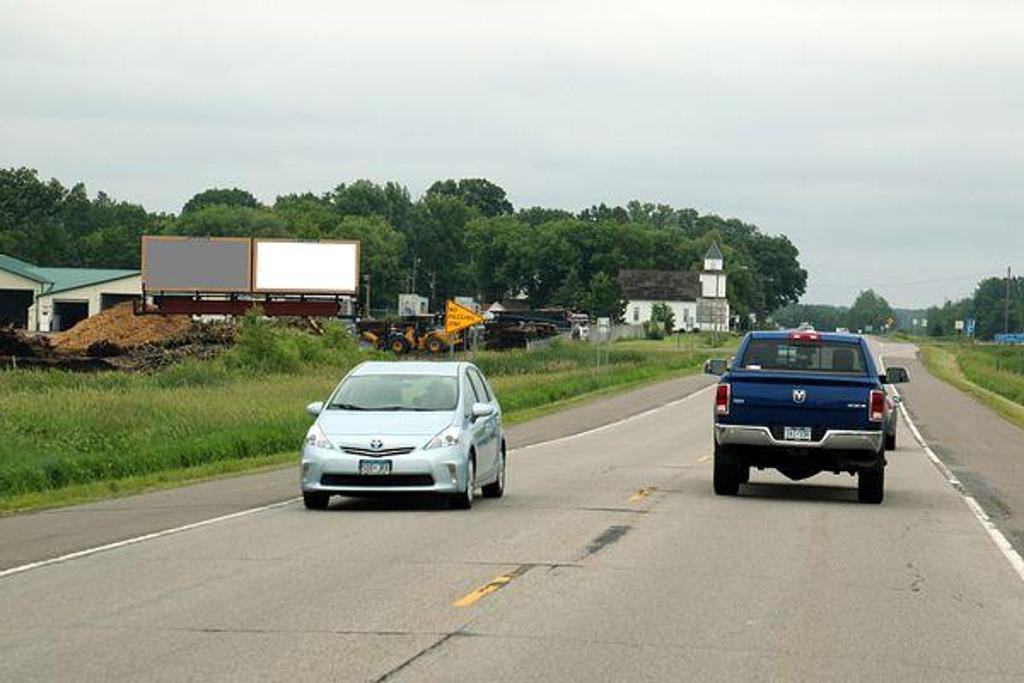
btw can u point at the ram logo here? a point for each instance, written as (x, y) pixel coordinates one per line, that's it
(799, 395)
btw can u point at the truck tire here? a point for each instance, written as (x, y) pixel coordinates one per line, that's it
(398, 344)
(890, 442)
(726, 476)
(871, 485)
(436, 345)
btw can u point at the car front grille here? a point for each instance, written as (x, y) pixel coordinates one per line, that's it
(380, 453)
(355, 480)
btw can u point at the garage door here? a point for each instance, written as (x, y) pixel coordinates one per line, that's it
(14, 304)
(66, 314)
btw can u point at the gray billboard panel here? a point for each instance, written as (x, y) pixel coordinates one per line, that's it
(196, 264)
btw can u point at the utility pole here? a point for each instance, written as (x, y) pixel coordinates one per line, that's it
(1006, 304)
(366, 279)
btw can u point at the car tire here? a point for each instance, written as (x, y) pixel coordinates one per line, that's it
(496, 489)
(744, 474)
(464, 499)
(315, 501)
(871, 485)
(726, 477)
(890, 442)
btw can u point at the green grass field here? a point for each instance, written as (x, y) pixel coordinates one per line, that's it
(992, 374)
(66, 436)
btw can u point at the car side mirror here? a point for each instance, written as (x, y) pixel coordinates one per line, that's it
(482, 410)
(896, 375)
(315, 408)
(716, 366)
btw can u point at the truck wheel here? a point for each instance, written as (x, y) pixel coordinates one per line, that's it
(726, 476)
(890, 442)
(398, 344)
(435, 345)
(871, 486)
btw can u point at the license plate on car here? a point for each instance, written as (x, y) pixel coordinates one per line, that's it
(796, 433)
(374, 467)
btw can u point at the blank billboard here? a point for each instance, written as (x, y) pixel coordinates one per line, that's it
(329, 267)
(196, 264)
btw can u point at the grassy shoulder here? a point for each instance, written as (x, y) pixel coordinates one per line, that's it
(979, 374)
(70, 438)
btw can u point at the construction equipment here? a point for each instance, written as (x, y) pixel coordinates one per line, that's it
(410, 333)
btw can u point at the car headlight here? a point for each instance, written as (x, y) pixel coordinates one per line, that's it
(449, 436)
(315, 437)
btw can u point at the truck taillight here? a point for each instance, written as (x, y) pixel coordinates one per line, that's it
(805, 336)
(876, 407)
(722, 396)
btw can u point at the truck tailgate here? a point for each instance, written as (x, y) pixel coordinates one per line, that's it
(785, 399)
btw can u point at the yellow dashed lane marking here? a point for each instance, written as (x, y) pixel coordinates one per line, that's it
(704, 458)
(492, 586)
(642, 493)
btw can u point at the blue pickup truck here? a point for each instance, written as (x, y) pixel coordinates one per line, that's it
(802, 402)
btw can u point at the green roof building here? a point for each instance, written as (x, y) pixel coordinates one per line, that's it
(53, 299)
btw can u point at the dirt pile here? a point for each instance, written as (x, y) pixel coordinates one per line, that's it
(16, 343)
(119, 327)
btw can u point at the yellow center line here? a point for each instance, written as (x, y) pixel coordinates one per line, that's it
(492, 586)
(704, 458)
(642, 493)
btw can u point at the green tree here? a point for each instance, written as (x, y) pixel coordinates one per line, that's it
(220, 197)
(869, 310)
(662, 315)
(605, 298)
(479, 193)
(221, 220)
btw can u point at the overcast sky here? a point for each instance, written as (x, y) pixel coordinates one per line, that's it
(886, 139)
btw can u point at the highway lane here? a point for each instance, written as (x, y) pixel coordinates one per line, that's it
(28, 538)
(610, 559)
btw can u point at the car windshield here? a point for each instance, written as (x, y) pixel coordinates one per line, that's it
(785, 354)
(396, 392)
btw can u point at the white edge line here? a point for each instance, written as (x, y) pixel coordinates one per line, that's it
(139, 539)
(242, 513)
(1011, 555)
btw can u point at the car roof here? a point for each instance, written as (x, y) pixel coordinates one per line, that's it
(823, 336)
(409, 367)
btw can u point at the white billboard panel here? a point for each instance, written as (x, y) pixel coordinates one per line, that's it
(329, 267)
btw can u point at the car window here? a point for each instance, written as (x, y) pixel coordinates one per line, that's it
(818, 356)
(483, 395)
(396, 392)
(469, 396)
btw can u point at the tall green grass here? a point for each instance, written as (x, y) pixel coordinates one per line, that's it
(998, 369)
(60, 429)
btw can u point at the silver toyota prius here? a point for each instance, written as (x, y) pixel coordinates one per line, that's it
(406, 427)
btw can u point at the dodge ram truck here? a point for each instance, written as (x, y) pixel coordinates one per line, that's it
(802, 402)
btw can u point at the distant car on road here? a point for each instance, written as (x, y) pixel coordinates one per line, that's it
(803, 402)
(406, 427)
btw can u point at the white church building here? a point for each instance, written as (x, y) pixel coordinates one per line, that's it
(697, 299)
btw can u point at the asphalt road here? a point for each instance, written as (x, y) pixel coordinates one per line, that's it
(609, 559)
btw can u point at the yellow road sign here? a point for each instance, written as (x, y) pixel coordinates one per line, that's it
(458, 317)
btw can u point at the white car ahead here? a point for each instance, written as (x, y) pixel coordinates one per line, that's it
(406, 427)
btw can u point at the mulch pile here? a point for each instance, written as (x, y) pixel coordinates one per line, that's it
(117, 329)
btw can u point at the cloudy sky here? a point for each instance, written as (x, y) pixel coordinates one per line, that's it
(886, 139)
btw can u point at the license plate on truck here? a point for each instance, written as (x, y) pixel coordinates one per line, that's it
(796, 433)
(374, 467)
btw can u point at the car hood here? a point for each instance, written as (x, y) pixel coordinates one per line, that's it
(343, 423)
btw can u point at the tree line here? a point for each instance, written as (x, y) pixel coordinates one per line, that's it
(461, 237)
(987, 305)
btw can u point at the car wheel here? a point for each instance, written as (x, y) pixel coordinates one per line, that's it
(871, 485)
(890, 442)
(497, 489)
(315, 501)
(464, 500)
(744, 476)
(726, 476)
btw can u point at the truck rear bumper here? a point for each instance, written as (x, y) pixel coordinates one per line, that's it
(834, 439)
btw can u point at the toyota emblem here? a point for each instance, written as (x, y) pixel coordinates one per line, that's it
(376, 444)
(799, 395)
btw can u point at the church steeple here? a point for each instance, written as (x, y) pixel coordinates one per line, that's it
(714, 260)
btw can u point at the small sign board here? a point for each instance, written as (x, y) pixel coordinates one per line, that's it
(958, 325)
(969, 325)
(458, 317)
